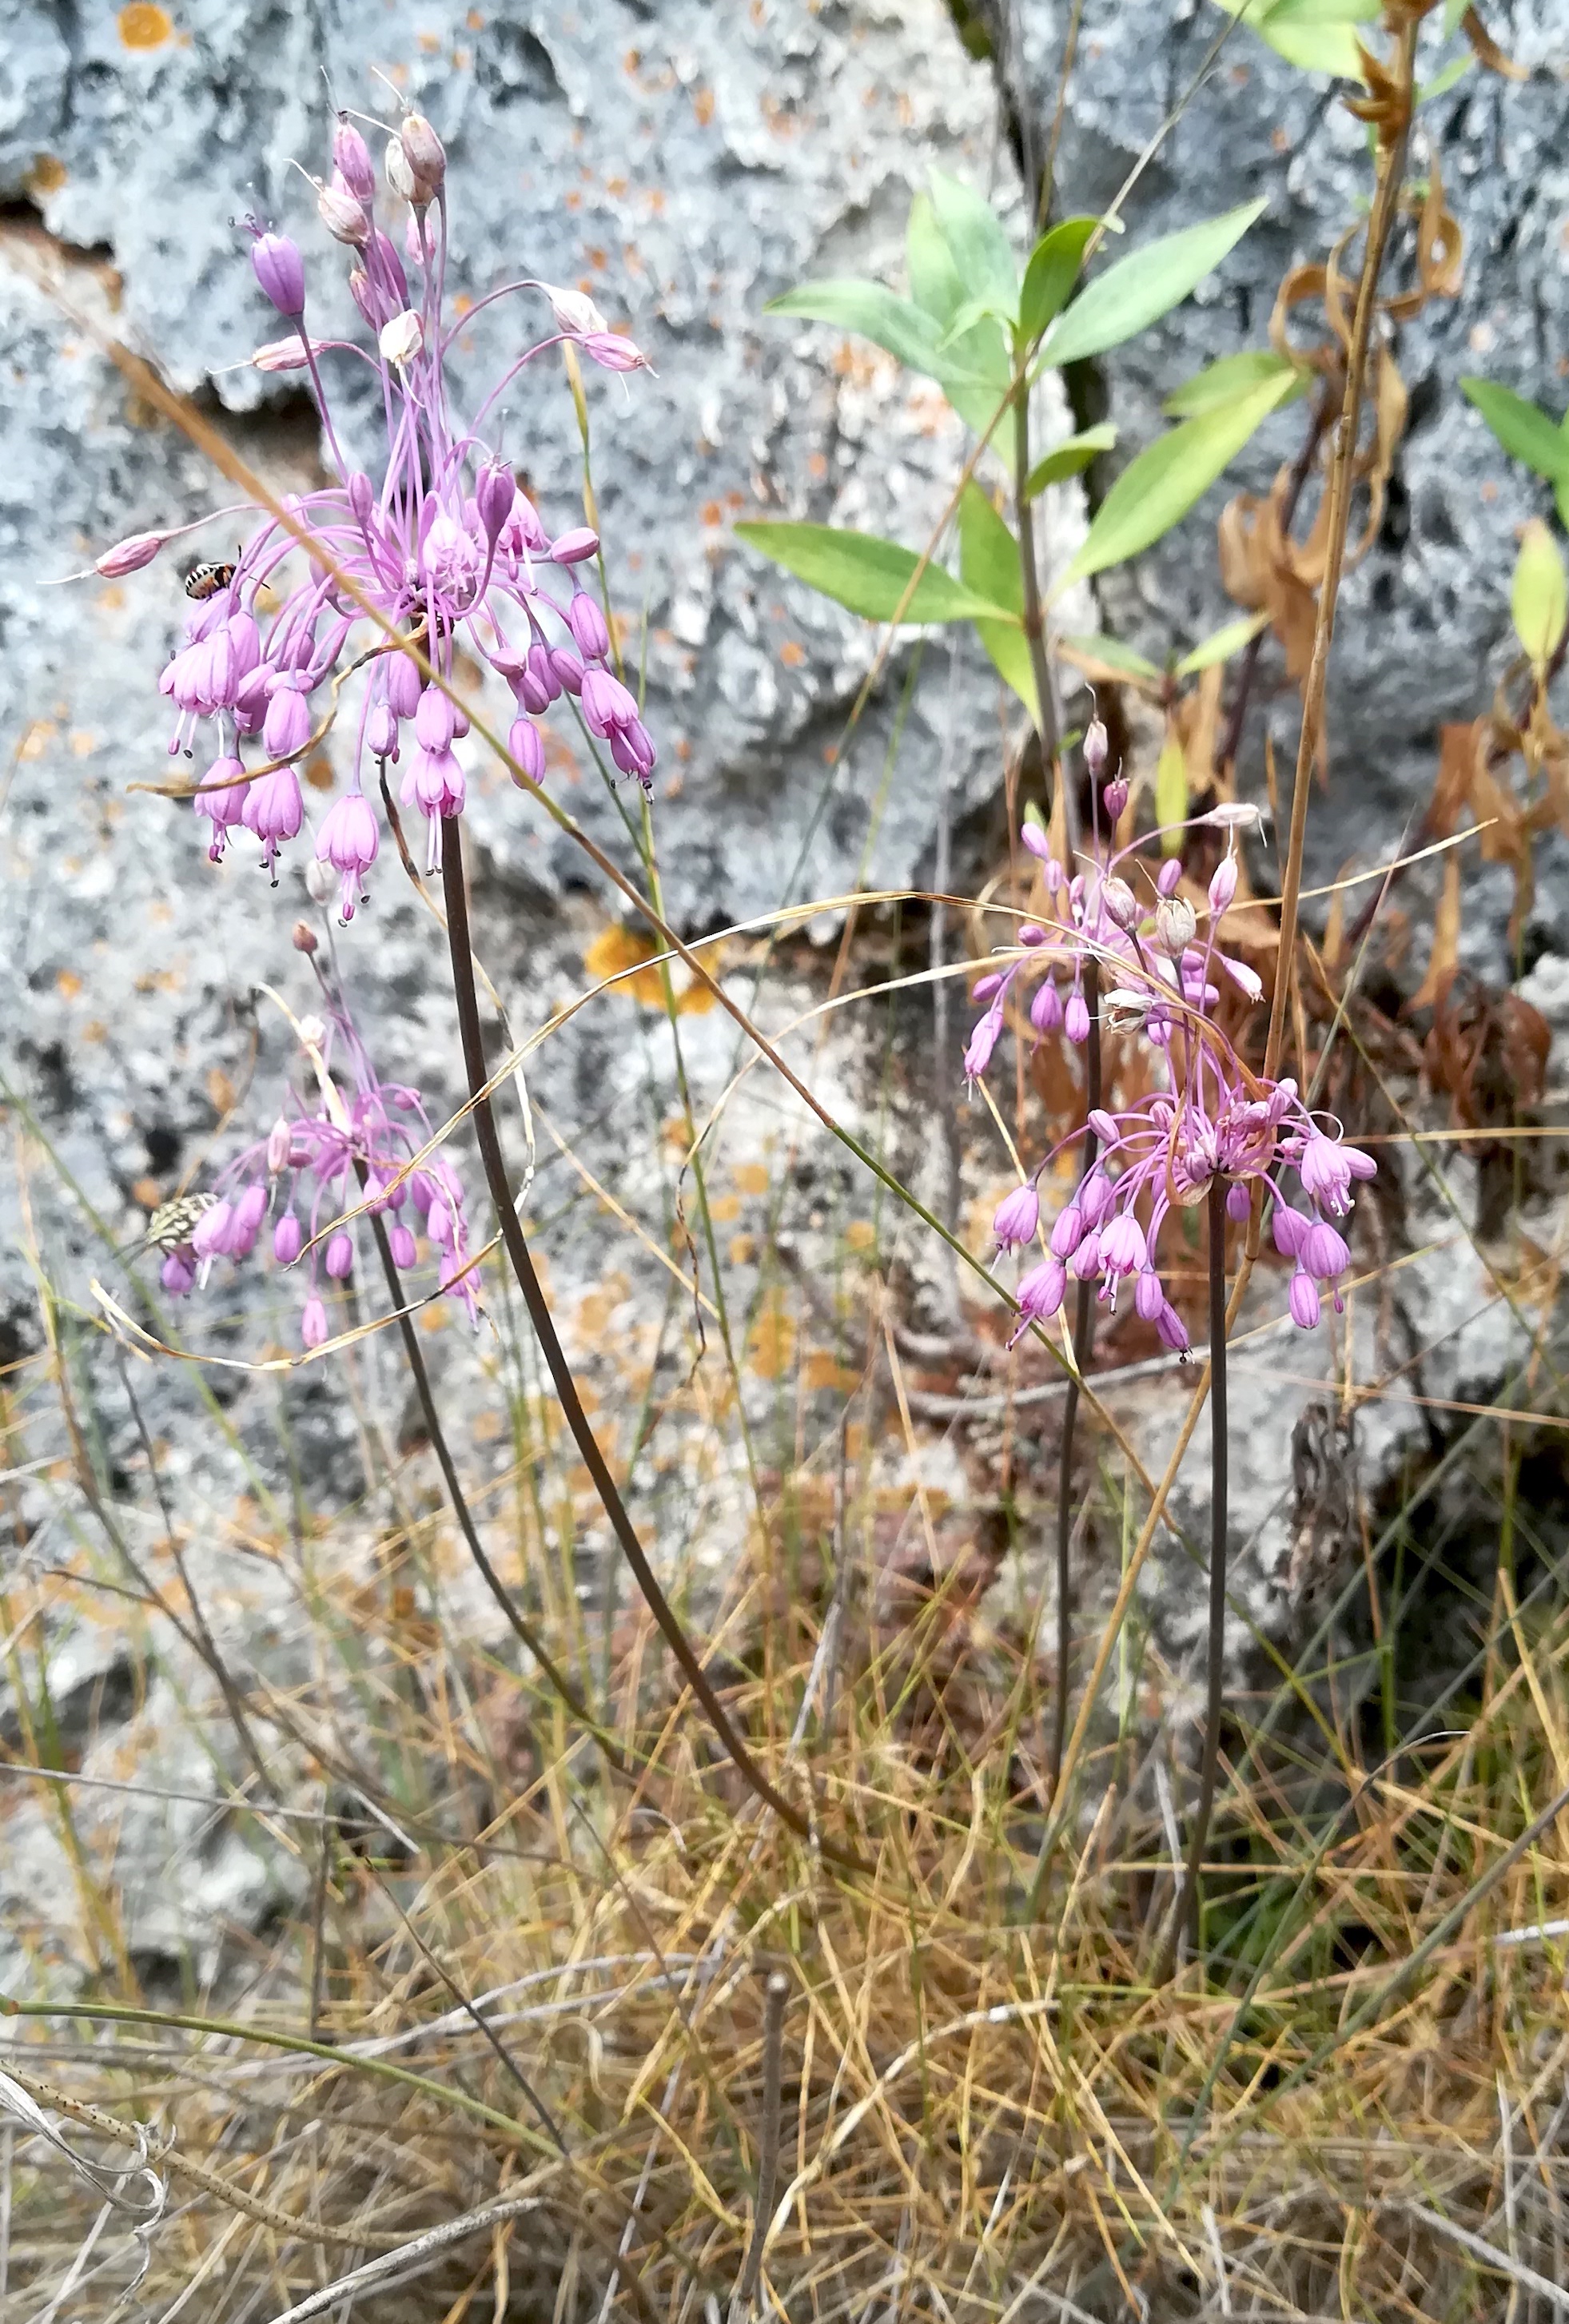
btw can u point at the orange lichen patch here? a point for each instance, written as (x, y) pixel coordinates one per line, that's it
(617, 949)
(724, 1207)
(751, 1178)
(703, 105)
(615, 188)
(95, 1031)
(822, 1369)
(698, 999)
(474, 20)
(741, 1249)
(145, 26)
(220, 1091)
(83, 742)
(861, 1234)
(771, 1345)
(68, 985)
(596, 258)
(318, 771)
(595, 1308)
(462, 303)
(147, 1192)
(434, 1318)
(431, 42)
(712, 513)
(47, 174)
(37, 739)
(486, 1426)
(792, 653)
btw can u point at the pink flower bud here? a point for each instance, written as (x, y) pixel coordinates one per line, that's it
(129, 556)
(1040, 1295)
(1120, 904)
(246, 1224)
(1324, 1252)
(313, 1322)
(351, 158)
(400, 1243)
(1122, 1245)
(400, 171)
(1173, 1330)
(1168, 878)
(1075, 1020)
(404, 685)
(1222, 885)
(280, 272)
(568, 668)
(435, 721)
(1067, 1231)
(1239, 1205)
(574, 311)
(527, 745)
(1016, 1217)
(1030, 934)
(1085, 1263)
(1046, 1008)
(361, 497)
(287, 1240)
(340, 1255)
(573, 547)
(382, 732)
(280, 1147)
(587, 625)
(1176, 925)
(210, 1238)
(1149, 1298)
(286, 729)
(176, 1275)
(1302, 1298)
(1114, 797)
(1036, 841)
(494, 495)
(1097, 746)
(612, 351)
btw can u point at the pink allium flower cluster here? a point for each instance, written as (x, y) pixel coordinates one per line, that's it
(445, 547)
(305, 1178)
(1214, 1121)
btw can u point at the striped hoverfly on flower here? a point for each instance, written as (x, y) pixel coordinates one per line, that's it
(174, 1222)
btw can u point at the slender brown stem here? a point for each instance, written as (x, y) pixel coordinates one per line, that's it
(773, 2009)
(560, 1371)
(1391, 162)
(1189, 1905)
(521, 1628)
(1083, 1333)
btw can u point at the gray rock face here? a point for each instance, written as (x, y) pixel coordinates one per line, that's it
(1424, 632)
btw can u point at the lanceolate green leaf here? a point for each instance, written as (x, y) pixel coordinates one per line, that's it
(897, 324)
(1221, 644)
(989, 563)
(934, 282)
(1050, 275)
(1066, 459)
(1232, 375)
(1163, 482)
(1145, 285)
(937, 287)
(979, 242)
(1110, 653)
(1539, 600)
(1314, 36)
(1523, 429)
(869, 575)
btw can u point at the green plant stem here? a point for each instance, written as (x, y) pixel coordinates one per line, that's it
(1189, 1905)
(560, 1371)
(1083, 1336)
(520, 1625)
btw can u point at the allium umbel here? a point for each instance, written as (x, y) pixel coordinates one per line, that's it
(349, 1144)
(1214, 1122)
(444, 549)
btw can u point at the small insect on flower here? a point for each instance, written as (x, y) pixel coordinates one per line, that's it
(205, 581)
(174, 1222)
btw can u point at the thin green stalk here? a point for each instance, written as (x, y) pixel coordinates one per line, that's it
(560, 1371)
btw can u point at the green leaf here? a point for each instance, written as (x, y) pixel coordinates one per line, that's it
(1163, 482)
(1561, 500)
(869, 575)
(1444, 80)
(972, 373)
(1314, 36)
(1453, 11)
(1220, 645)
(1140, 288)
(1170, 793)
(978, 241)
(1232, 376)
(974, 312)
(1523, 429)
(1114, 655)
(1066, 459)
(989, 564)
(1539, 599)
(1050, 275)
(934, 282)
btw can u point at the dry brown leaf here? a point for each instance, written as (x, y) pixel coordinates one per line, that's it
(1444, 956)
(1486, 50)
